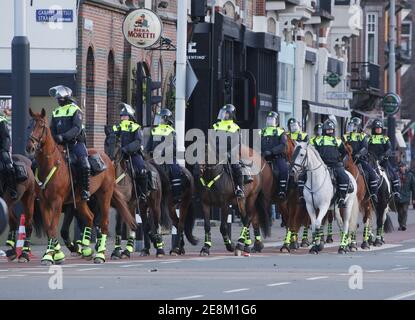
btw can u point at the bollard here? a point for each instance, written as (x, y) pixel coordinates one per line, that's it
(175, 238)
(139, 239)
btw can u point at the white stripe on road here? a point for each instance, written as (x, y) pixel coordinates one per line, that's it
(277, 284)
(374, 271)
(407, 250)
(17, 275)
(3, 277)
(344, 274)
(401, 268)
(36, 272)
(88, 269)
(317, 278)
(236, 290)
(167, 262)
(402, 295)
(4, 270)
(189, 297)
(131, 265)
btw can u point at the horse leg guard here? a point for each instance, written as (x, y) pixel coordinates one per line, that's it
(47, 258)
(58, 256)
(86, 241)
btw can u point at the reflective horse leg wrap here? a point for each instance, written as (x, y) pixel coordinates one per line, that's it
(58, 254)
(247, 240)
(50, 249)
(86, 241)
(257, 234)
(11, 239)
(287, 237)
(130, 244)
(208, 240)
(101, 247)
(305, 233)
(366, 233)
(117, 241)
(344, 239)
(330, 229)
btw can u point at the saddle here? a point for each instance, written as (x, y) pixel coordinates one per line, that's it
(333, 178)
(95, 161)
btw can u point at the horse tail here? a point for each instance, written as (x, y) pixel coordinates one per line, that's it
(388, 225)
(118, 202)
(38, 220)
(165, 220)
(263, 217)
(189, 224)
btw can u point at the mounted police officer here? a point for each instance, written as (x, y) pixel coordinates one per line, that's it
(360, 145)
(380, 147)
(66, 127)
(163, 131)
(294, 131)
(231, 131)
(274, 148)
(131, 138)
(332, 152)
(6, 162)
(318, 132)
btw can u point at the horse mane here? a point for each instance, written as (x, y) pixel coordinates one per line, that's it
(291, 144)
(309, 146)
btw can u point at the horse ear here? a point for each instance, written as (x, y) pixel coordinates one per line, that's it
(43, 113)
(31, 112)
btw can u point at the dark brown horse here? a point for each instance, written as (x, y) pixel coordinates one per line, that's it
(26, 193)
(56, 191)
(218, 191)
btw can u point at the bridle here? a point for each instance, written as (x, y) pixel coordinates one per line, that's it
(39, 141)
(302, 166)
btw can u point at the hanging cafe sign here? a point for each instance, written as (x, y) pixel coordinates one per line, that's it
(142, 28)
(391, 103)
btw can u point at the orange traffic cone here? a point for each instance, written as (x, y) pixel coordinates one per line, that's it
(21, 236)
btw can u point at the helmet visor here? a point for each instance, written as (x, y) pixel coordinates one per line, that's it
(158, 119)
(350, 127)
(294, 127)
(224, 115)
(319, 131)
(271, 122)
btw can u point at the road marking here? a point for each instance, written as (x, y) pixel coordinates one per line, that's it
(343, 274)
(131, 265)
(407, 250)
(87, 269)
(36, 272)
(402, 295)
(17, 275)
(3, 277)
(401, 268)
(189, 297)
(168, 262)
(4, 270)
(374, 271)
(277, 284)
(236, 290)
(317, 278)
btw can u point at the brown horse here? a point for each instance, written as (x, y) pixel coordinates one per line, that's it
(26, 193)
(363, 196)
(218, 191)
(56, 191)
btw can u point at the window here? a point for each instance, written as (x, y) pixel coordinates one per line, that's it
(372, 38)
(308, 39)
(285, 81)
(406, 38)
(272, 26)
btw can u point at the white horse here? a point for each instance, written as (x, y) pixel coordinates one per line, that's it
(319, 193)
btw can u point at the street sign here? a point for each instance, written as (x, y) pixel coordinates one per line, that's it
(46, 15)
(339, 95)
(142, 28)
(391, 103)
(333, 79)
(191, 80)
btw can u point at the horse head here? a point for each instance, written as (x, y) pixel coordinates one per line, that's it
(299, 159)
(38, 131)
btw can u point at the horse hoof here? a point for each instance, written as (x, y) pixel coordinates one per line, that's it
(230, 247)
(365, 245)
(182, 251)
(238, 252)
(46, 263)
(76, 254)
(313, 250)
(144, 253)
(341, 251)
(285, 249)
(98, 260)
(377, 243)
(205, 251)
(160, 253)
(305, 244)
(174, 252)
(329, 239)
(116, 255)
(258, 246)
(294, 245)
(24, 258)
(246, 254)
(353, 247)
(11, 254)
(321, 246)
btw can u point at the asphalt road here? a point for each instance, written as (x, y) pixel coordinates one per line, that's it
(386, 272)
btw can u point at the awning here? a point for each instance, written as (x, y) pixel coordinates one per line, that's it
(400, 141)
(322, 108)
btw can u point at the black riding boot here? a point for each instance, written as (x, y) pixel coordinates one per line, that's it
(300, 188)
(342, 198)
(396, 188)
(374, 190)
(238, 177)
(85, 184)
(141, 181)
(12, 185)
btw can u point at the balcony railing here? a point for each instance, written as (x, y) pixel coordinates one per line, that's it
(365, 76)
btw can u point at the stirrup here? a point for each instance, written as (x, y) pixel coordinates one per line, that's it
(374, 197)
(85, 195)
(282, 195)
(239, 193)
(342, 203)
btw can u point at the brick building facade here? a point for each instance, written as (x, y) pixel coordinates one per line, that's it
(106, 62)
